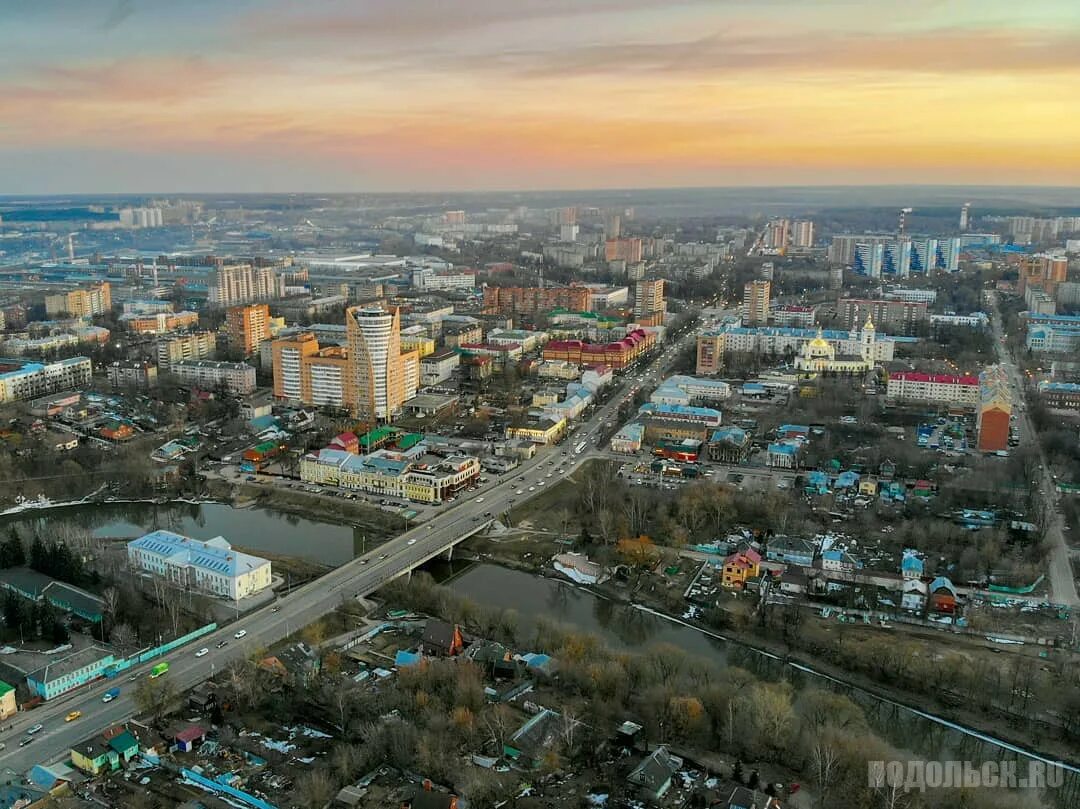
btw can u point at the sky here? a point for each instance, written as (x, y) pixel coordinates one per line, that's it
(158, 96)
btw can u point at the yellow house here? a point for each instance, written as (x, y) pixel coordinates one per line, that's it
(7, 700)
(740, 567)
(544, 431)
(868, 485)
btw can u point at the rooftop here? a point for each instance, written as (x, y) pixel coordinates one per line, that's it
(215, 555)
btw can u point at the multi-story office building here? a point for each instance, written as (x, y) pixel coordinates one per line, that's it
(236, 284)
(913, 295)
(408, 474)
(843, 247)
(237, 378)
(197, 345)
(755, 302)
(213, 567)
(649, 305)
(132, 374)
(791, 315)
(248, 327)
(1063, 395)
(956, 391)
(615, 355)
(897, 317)
(86, 302)
(530, 300)
(29, 380)
(710, 353)
(865, 342)
(375, 363)
(439, 367)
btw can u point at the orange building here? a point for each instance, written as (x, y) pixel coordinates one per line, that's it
(995, 410)
(248, 327)
(617, 355)
(160, 323)
(628, 250)
(529, 300)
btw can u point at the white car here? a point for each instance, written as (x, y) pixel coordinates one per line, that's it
(411, 542)
(479, 500)
(520, 491)
(532, 488)
(202, 652)
(539, 483)
(241, 634)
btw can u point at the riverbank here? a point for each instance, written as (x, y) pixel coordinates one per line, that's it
(973, 723)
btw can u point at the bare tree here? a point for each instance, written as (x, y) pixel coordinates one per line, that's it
(123, 636)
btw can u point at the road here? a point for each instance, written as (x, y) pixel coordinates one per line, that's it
(361, 576)
(1059, 573)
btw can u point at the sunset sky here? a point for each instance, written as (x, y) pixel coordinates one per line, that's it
(400, 95)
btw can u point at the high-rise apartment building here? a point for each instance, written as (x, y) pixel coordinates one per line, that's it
(777, 233)
(612, 226)
(755, 303)
(649, 305)
(628, 250)
(530, 300)
(892, 316)
(248, 327)
(198, 345)
(235, 284)
(85, 302)
(802, 233)
(376, 369)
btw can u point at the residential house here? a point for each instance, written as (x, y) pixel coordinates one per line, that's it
(653, 775)
(8, 707)
(913, 597)
(835, 559)
(739, 567)
(783, 455)
(794, 581)
(791, 551)
(106, 751)
(868, 486)
(533, 739)
(189, 738)
(441, 638)
(69, 672)
(886, 469)
(943, 596)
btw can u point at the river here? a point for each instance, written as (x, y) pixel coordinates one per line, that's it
(618, 625)
(254, 529)
(623, 626)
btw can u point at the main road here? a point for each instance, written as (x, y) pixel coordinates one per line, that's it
(359, 577)
(1060, 574)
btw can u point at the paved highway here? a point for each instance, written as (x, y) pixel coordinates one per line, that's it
(363, 575)
(1062, 583)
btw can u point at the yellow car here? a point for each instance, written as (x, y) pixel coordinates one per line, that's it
(71, 717)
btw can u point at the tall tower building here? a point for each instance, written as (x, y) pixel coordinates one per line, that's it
(376, 371)
(248, 327)
(649, 306)
(755, 303)
(965, 216)
(612, 226)
(802, 233)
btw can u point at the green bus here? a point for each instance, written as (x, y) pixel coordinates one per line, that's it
(158, 670)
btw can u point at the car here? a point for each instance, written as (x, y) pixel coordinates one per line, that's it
(520, 491)
(221, 644)
(532, 488)
(202, 652)
(110, 695)
(26, 741)
(479, 500)
(382, 556)
(363, 561)
(39, 727)
(133, 678)
(242, 633)
(412, 541)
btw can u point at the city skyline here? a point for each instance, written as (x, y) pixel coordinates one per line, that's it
(377, 96)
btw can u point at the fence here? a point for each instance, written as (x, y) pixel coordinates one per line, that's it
(158, 651)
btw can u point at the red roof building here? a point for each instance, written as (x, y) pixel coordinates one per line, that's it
(957, 391)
